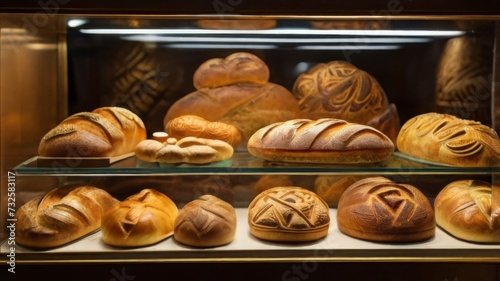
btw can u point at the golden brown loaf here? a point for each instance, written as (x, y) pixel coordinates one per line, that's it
(465, 209)
(331, 187)
(206, 222)
(142, 219)
(187, 150)
(61, 216)
(195, 126)
(340, 90)
(237, 68)
(449, 140)
(377, 209)
(104, 132)
(245, 106)
(320, 141)
(288, 214)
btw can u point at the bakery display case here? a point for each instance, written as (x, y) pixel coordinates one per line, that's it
(268, 78)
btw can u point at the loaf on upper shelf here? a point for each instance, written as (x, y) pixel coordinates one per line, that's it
(338, 89)
(142, 219)
(320, 141)
(186, 150)
(466, 209)
(378, 209)
(288, 214)
(206, 222)
(61, 216)
(104, 132)
(236, 91)
(446, 139)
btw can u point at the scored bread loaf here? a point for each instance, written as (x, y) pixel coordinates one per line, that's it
(61, 216)
(378, 209)
(195, 126)
(142, 219)
(465, 209)
(320, 141)
(446, 139)
(206, 222)
(288, 214)
(186, 150)
(104, 132)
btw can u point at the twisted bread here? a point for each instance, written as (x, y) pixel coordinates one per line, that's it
(142, 219)
(320, 141)
(450, 140)
(61, 216)
(104, 132)
(206, 222)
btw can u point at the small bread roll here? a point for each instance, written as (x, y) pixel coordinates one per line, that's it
(465, 209)
(195, 126)
(320, 141)
(206, 222)
(236, 68)
(288, 214)
(446, 139)
(142, 219)
(378, 209)
(61, 216)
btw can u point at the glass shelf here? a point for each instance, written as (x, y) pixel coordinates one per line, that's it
(243, 163)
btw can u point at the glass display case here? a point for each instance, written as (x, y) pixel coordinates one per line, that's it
(58, 59)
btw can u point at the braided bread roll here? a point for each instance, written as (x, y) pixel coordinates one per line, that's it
(320, 141)
(450, 140)
(465, 209)
(104, 132)
(142, 219)
(378, 209)
(61, 216)
(338, 89)
(288, 214)
(206, 222)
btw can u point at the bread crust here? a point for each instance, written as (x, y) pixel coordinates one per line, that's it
(446, 139)
(63, 215)
(324, 140)
(378, 209)
(465, 209)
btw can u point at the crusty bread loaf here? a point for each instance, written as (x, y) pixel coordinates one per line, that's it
(288, 214)
(378, 209)
(245, 106)
(61, 216)
(195, 126)
(232, 24)
(142, 219)
(320, 141)
(104, 132)
(465, 209)
(206, 222)
(187, 150)
(449, 140)
(331, 187)
(237, 68)
(340, 90)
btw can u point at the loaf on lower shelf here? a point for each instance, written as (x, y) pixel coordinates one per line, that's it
(63, 215)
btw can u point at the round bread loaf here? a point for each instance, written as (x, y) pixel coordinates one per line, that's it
(320, 141)
(236, 68)
(288, 214)
(142, 219)
(195, 126)
(340, 90)
(331, 187)
(465, 209)
(246, 107)
(61, 216)
(206, 222)
(446, 139)
(377, 209)
(104, 132)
